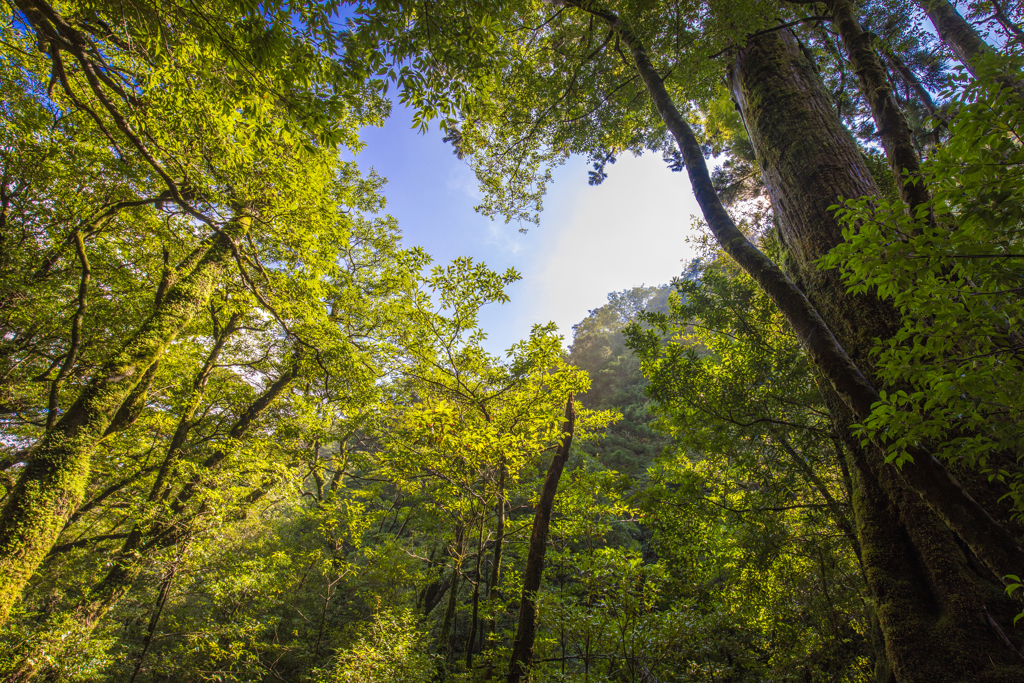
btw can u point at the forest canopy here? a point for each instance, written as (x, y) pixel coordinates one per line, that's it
(249, 433)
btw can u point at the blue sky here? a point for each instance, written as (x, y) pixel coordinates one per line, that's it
(629, 231)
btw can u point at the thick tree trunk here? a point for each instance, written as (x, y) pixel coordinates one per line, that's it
(808, 160)
(779, 93)
(989, 540)
(52, 485)
(930, 600)
(522, 647)
(955, 31)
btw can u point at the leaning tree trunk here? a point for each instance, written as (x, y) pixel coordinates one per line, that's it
(955, 31)
(943, 618)
(53, 483)
(893, 129)
(127, 564)
(522, 647)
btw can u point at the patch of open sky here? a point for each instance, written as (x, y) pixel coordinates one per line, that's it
(631, 230)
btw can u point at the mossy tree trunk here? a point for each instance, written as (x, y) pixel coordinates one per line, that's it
(940, 612)
(127, 564)
(992, 543)
(52, 485)
(955, 31)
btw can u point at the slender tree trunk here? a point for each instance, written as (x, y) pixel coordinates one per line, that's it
(929, 599)
(812, 477)
(476, 597)
(165, 589)
(955, 31)
(911, 80)
(522, 647)
(185, 423)
(53, 483)
(76, 333)
(493, 592)
(1004, 21)
(444, 642)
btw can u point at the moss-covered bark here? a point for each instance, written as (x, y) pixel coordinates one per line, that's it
(893, 129)
(127, 564)
(954, 30)
(808, 160)
(988, 539)
(936, 606)
(52, 485)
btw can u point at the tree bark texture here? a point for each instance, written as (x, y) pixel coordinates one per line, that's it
(798, 142)
(790, 120)
(897, 139)
(53, 483)
(955, 31)
(526, 631)
(127, 564)
(930, 597)
(811, 330)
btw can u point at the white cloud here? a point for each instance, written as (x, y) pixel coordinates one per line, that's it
(630, 230)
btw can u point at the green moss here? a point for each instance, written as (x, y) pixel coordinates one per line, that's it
(53, 483)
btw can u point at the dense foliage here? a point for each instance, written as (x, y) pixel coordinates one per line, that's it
(248, 435)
